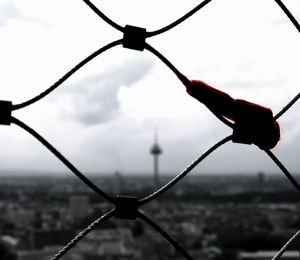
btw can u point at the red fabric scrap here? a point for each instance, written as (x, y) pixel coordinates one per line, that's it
(253, 123)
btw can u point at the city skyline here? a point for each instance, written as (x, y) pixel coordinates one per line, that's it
(41, 215)
(102, 118)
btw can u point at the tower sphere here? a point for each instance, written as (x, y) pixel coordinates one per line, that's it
(155, 150)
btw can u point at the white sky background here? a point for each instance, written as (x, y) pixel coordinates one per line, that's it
(102, 118)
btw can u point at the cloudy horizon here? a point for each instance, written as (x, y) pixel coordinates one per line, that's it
(103, 118)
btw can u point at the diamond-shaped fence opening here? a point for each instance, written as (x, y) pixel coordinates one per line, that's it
(253, 124)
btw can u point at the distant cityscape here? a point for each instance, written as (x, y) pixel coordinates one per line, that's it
(212, 217)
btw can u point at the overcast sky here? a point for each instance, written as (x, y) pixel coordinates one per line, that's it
(102, 118)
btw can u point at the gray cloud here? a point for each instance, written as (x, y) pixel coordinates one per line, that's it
(8, 12)
(95, 99)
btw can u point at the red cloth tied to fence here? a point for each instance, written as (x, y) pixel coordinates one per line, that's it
(253, 123)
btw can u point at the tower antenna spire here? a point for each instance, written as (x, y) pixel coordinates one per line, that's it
(155, 137)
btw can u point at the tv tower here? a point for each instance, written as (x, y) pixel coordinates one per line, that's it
(155, 151)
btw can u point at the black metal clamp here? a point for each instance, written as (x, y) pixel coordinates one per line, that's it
(5, 112)
(134, 38)
(126, 207)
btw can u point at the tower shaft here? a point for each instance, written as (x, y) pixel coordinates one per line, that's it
(155, 171)
(155, 151)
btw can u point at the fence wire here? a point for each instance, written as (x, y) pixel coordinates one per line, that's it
(127, 207)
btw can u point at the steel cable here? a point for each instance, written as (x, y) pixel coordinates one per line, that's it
(152, 33)
(180, 20)
(287, 244)
(288, 106)
(103, 16)
(283, 169)
(273, 157)
(170, 184)
(171, 240)
(73, 169)
(182, 79)
(289, 14)
(67, 75)
(82, 234)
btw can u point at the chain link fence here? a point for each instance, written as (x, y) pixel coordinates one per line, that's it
(245, 130)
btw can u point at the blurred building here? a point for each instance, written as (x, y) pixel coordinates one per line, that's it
(22, 218)
(117, 183)
(261, 181)
(108, 244)
(42, 254)
(43, 238)
(79, 207)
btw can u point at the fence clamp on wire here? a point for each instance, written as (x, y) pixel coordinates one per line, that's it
(256, 126)
(134, 38)
(126, 207)
(5, 112)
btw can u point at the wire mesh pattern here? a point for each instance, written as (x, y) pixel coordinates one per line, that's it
(126, 207)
